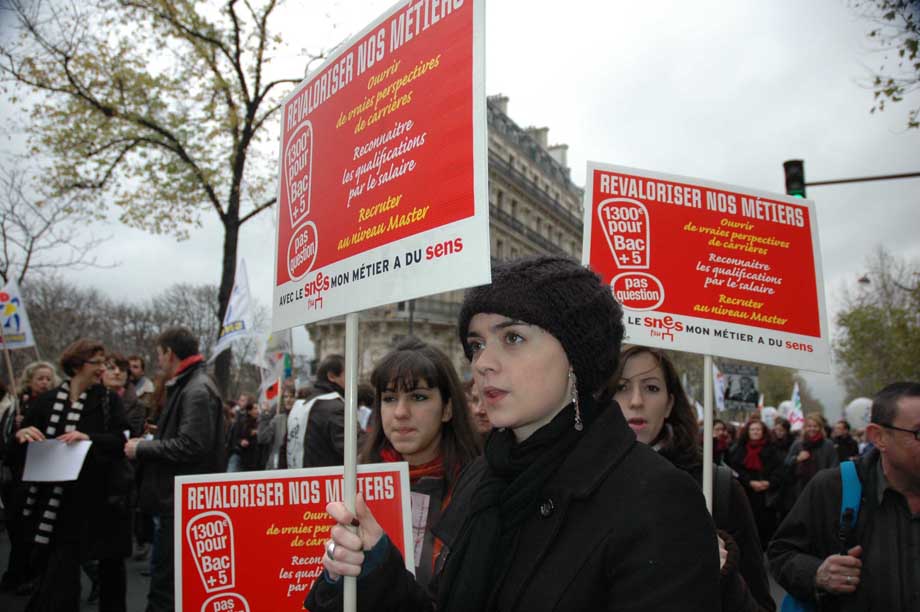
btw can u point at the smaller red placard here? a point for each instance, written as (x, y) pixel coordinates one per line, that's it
(709, 268)
(255, 540)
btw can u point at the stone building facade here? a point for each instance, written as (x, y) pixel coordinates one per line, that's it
(534, 207)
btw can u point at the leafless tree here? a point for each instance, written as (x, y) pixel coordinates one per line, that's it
(39, 234)
(61, 312)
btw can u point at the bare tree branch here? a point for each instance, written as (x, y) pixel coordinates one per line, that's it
(252, 213)
(40, 236)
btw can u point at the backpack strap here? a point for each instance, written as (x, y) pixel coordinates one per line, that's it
(722, 495)
(850, 499)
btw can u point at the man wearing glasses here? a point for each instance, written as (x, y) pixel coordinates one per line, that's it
(877, 565)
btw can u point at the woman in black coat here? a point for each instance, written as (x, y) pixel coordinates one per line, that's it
(75, 521)
(760, 470)
(564, 511)
(810, 454)
(648, 390)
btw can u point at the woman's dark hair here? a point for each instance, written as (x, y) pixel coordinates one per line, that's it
(743, 437)
(411, 362)
(79, 352)
(782, 423)
(157, 398)
(118, 359)
(683, 444)
(365, 394)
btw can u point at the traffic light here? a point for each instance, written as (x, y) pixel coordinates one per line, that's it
(795, 177)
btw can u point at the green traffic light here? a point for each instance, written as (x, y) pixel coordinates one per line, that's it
(794, 170)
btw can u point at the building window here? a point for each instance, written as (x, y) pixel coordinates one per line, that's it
(514, 209)
(499, 197)
(499, 249)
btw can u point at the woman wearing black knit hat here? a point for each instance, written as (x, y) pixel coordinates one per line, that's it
(564, 511)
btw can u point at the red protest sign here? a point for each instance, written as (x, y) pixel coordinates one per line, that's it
(382, 179)
(255, 540)
(709, 268)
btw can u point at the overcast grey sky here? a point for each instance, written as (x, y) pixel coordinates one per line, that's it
(718, 90)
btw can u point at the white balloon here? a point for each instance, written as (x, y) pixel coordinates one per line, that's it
(858, 412)
(768, 416)
(784, 407)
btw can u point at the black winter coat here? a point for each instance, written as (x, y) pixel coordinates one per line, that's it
(189, 439)
(617, 528)
(324, 439)
(94, 509)
(825, 456)
(763, 503)
(744, 584)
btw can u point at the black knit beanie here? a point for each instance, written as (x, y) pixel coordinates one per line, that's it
(563, 297)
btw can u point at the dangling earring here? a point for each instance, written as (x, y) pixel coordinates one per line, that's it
(574, 383)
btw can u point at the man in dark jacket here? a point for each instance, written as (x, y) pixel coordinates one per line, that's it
(189, 440)
(316, 427)
(847, 447)
(878, 566)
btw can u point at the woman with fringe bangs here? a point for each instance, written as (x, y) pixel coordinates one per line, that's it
(420, 416)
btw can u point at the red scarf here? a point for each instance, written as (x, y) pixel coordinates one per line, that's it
(432, 469)
(187, 363)
(815, 438)
(752, 455)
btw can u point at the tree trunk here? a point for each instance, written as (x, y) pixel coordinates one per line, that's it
(228, 273)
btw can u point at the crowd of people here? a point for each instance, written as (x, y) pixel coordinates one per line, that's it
(566, 474)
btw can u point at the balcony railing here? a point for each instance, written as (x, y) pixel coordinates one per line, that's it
(544, 243)
(530, 188)
(429, 309)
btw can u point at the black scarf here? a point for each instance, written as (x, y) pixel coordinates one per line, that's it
(504, 499)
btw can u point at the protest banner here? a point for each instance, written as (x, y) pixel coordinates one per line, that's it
(796, 416)
(16, 331)
(255, 540)
(237, 322)
(382, 192)
(709, 268)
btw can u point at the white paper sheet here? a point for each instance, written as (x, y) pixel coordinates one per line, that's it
(54, 461)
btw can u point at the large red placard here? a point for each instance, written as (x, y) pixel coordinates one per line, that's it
(383, 144)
